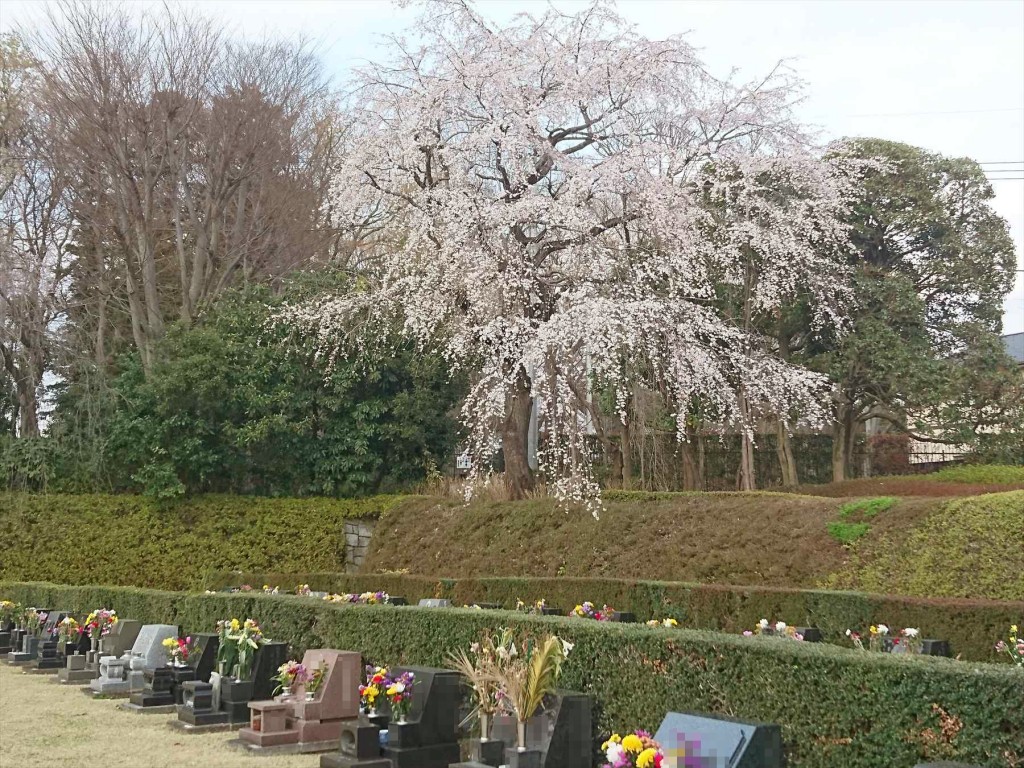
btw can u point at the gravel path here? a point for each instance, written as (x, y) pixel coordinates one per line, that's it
(43, 724)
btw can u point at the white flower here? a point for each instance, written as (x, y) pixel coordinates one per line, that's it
(615, 753)
(763, 623)
(399, 687)
(883, 630)
(910, 632)
(848, 633)
(780, 626)
(566, 647)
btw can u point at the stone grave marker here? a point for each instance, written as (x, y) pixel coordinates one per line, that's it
(125, 675)
(731, 742)
(53, 658)
(32, 643)
(359, 747)
(6, 629)
(429, 738)
(559, 736)
(223, 703)
(433, 602)
(295, 724)
(116, 643)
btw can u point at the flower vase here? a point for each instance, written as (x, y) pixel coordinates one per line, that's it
(485, 726)
(521, 735)
(286, 692)
(94, 643)
(371, 711)
(310, 695)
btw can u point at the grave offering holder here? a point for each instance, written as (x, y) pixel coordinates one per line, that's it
(293, 723)
(359, 747)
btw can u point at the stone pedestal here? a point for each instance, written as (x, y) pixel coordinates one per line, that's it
(112, 680)
(311, 725)
(162, 691)
(525, 758)
(29, 651)
(487, 752)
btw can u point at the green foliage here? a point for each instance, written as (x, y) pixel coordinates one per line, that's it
(847, 533)
(968, 547)
(637, 674)
(969, 625)
(235, 404)
(174, 545)
(866, 508)
(981, 473)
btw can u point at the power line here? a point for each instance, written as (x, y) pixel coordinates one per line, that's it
(947, 112)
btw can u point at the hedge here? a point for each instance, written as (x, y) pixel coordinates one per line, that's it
(971, 626)
(837, 707)
(132, 540)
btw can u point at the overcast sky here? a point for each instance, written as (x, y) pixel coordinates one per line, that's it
(944, 75)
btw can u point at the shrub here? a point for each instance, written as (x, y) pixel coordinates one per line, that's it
(133, 540)
(971, 546)
(969, 625)
(867, 507)
(817, 693)
(847, 533)
(981, 473)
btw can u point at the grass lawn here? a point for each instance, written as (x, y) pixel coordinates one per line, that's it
(44, 724)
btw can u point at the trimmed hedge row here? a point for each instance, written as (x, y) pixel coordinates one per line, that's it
(971, 626)
(837, 707)
(134, 540)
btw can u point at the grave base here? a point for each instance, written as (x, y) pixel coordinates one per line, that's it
(182, 727)
(20, 659)
(487, 752)
(108, 693)
(141, 709)
(41, 670)
(73, 676)
(343, 761)
(468, 764)
(295, 748)
(435, 756)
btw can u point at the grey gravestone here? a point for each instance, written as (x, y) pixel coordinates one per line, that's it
(433, 602)
(115, 643)
(429, 738)
(147, 652)
(731, 743)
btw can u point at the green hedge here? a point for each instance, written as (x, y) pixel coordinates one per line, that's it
(981, 473)
(837, 707)
(971, 626)
(135, 541)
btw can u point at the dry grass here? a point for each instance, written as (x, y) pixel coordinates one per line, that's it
(43, 724)
(773, 539)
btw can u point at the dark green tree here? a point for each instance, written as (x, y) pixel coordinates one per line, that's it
(932, 264)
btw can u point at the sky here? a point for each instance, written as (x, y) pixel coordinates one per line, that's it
(945, 75)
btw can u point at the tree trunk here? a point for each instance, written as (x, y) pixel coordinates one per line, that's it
(693, 476)
(28, 409)
(787, 462)
(626, 442)
(745, 480)
(842, 436)
(515, 439)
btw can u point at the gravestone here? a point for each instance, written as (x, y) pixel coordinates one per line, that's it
(52, 659)
(559, 736)
(728, 741)
(125, 675)
(115, 643)
(810, 634)
(546, 611)
(935, 648)
(429, 737)
(203, 658)
(434, 602)
(623, 617)
(296, 724)
(161, 689)
(392, 600)
(32, 643)
(223, 703)
(6, 630)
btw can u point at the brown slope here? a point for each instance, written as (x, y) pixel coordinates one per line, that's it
(729, 538)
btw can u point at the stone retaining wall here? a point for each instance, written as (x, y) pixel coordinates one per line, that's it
(357, 543)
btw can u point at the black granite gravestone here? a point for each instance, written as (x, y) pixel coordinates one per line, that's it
(197, 711)
(810, 634)
(560, 733)
(733, 743)
(935, 648)
(429, 738)
(203, 658)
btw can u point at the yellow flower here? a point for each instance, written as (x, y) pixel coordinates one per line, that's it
(632, 743)
(613, 739)
(646, 758)
(235, 625)
(873, 630)
(1013, 628)
(169, 642)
